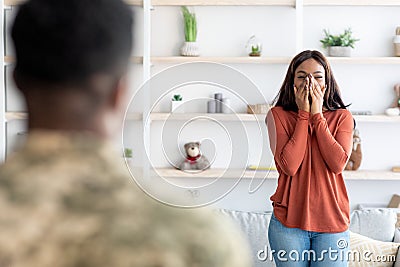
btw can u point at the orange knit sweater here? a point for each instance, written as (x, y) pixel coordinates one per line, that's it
(310, 153)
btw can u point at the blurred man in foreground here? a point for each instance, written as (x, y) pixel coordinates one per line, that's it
(65, 199)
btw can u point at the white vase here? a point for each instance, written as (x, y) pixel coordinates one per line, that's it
(190, 49)
(176, 107)
(226, 106)
(339, 51)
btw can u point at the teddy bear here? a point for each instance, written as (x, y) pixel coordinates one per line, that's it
(194, 159)
(356, 154)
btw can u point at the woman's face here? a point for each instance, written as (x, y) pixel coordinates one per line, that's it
(309, 66)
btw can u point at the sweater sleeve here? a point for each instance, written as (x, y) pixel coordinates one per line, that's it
(288, 148)
(335, 150)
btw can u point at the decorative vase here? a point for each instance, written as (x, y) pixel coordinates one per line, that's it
(339, 51)
(190, 49)
(396, 42)
(218, 101)
(212, 106)
(176, 107)
(392, 111)
(226, 106)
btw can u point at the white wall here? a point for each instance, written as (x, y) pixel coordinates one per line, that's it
(223, 31)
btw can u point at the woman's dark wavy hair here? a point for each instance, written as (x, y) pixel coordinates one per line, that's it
(286, 96)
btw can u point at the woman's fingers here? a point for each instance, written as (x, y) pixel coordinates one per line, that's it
(312, 93)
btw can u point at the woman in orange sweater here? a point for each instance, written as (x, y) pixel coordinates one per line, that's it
(310, 132)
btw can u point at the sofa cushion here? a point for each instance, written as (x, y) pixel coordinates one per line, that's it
(378, 224)
(369, 252)
(397, 235)
(255, 227)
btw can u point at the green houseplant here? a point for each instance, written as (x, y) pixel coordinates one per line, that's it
(339, 45)
(177, 98)
(255, 51)
(190, 47)
(176, 101)
(128, 153)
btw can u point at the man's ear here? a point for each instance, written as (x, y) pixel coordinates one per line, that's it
(118, 99)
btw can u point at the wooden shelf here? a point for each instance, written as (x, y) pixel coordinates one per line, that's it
(194, 2)
(351, 3)
(376, 118)
(18, 2)
(11, 60)
(371, 175)
(133, 116)
(215, 173)
(253, 60)
(223, 2)
(216, 116)
(273, 60)
(243, 117)
(249, 2)
(237, 60)
(8, 59)
(273, 175)
(365, 60)
(11, 116)
(246, 117)
(13, 2)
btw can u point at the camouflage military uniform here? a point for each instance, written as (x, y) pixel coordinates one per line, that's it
(65, 201)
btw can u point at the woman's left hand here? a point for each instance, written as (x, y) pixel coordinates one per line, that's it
(317, 95)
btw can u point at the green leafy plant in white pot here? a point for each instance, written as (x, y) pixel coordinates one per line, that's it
(339, 45)
(190, 47)
(176, 102)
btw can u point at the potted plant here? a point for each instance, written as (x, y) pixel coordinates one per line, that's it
(190, 47)
(255, 51)
(339, 45)
(254, 47)
(128, 155)
(176, 101)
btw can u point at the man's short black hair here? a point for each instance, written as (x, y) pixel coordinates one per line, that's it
(67, 41)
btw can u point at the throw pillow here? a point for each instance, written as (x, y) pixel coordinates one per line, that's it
(378, 224)
(365, 252)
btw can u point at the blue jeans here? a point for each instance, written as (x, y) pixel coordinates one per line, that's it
(299, 248)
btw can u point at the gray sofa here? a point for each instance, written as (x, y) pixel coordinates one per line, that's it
(378, 224)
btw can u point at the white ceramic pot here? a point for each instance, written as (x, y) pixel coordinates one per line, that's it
(392, 111)
(226, 105)
(176, 107)
(339, 51)
(190, 49)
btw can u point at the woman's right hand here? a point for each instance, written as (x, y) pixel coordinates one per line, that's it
(302, 94)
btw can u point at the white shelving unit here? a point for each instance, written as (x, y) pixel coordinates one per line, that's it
(299, 5)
